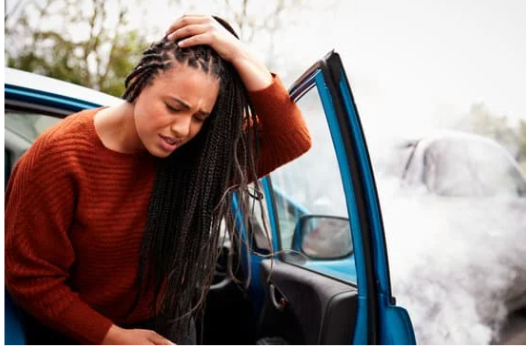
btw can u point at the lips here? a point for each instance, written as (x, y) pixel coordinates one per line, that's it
(170, 143)
(169, 140)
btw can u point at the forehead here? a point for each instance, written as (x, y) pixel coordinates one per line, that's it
(183, 80)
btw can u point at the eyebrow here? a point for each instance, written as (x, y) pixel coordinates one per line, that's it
(187, 106)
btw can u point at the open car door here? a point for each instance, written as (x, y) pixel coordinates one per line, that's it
(328, 282)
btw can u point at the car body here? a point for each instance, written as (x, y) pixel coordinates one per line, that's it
(314, 300)
(455, 212)
(457, 164)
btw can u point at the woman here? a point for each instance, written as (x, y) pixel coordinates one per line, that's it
(113, 215)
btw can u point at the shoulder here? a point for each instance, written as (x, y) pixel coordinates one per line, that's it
(75, 127)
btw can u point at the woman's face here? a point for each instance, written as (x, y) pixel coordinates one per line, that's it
(171, 111)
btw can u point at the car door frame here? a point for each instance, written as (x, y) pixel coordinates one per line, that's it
(378, 318)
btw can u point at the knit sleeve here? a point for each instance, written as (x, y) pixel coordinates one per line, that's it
(39, 209)
(284, 135)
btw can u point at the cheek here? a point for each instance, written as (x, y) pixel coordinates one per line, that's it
(150, 118)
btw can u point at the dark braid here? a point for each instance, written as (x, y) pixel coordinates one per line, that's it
(194, 189)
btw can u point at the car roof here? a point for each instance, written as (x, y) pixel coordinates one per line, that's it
(23, 79)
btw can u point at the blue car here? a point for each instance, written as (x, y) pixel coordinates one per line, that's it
(323, 277)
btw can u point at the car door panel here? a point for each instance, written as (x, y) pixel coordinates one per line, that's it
(322, 307)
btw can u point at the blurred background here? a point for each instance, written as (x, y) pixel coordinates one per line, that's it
(413, 65)
(440, 87)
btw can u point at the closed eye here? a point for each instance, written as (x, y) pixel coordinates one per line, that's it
(171, 109)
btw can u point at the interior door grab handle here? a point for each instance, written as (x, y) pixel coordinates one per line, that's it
(277, 298)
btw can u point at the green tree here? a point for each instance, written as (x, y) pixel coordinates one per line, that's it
(83, 42)
(482, 121)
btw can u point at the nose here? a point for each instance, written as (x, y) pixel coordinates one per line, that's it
(181, 126)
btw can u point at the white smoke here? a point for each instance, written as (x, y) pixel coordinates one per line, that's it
(454, 261)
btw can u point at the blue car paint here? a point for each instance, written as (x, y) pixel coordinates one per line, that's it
(338, 269)
(54, 100)
(271, 213)
(250, 261)
(395, 323)
(361, 327)
(14, 333)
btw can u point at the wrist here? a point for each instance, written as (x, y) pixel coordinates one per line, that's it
(253, 72)
(112, 336)
(240, 56)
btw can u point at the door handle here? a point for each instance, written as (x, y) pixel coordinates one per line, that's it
(277, 298)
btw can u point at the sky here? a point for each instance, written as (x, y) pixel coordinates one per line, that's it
(426, 62)
(413, 65)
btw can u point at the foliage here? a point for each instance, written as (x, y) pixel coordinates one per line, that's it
(482, 121)
(74, 41)
(95, 43)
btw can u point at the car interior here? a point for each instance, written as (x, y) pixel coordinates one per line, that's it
(299, 307)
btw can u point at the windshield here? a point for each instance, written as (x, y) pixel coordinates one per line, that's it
(470, 166)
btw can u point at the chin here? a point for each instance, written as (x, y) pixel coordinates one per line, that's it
(161, 154)
(157, 152)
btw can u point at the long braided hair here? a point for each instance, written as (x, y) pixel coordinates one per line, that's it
(194, 189)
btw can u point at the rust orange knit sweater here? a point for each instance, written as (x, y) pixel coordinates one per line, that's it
(75, 213)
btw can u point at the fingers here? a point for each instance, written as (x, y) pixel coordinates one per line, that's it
(159, 340)
(188, 20)
(190, 30)
(203, 39)
(193, 30)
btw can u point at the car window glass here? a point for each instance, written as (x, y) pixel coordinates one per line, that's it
(262, 235)
(261, 239)
(28, 125)
(310, 202)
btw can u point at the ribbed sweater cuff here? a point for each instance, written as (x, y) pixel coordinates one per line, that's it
(84, 324)
(271, 104)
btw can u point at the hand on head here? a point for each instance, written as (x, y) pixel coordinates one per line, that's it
(192, 30)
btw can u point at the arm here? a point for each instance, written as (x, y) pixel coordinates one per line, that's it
(284, 134)
(39, 209)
